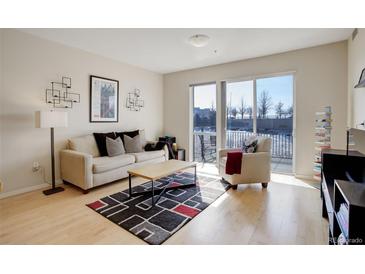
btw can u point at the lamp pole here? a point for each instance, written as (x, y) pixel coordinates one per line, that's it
(54, 189)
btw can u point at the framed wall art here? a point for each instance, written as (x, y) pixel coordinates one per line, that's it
(104, 100)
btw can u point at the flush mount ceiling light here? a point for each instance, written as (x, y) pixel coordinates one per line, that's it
(199, 40)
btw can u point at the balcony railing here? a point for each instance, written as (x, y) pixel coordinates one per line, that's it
(205, 147)
(205, 144)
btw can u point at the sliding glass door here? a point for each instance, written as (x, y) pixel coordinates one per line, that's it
(263, 107)
(204, 123)
(275, 118)
(239, 112)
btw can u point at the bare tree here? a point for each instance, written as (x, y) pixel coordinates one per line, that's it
(234, 112)
(242, 108)
(212, 115)
(229, 106)
(212, 106)
(264, 104)
(279, 109)
(197, 120)
(289, 111)
(249, 112)
(228, 112)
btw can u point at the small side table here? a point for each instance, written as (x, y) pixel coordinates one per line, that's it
(180, 154)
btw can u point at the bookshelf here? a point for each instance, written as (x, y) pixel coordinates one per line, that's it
(323, 129)
(343, 200)
(349, 213)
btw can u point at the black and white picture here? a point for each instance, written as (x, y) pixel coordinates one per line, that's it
(104, 99)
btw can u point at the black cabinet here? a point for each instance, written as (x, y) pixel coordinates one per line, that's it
(349, 212)
(343, 195)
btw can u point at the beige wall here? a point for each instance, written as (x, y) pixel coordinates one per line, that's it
(1, 58)
(29, 64)
(356, 63)
(321, 80)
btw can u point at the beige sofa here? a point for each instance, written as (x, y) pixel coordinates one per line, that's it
(82, 166)
(256, 167)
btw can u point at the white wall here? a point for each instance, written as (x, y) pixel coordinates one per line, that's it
(356, 63)
(321, 80)
(29, 64)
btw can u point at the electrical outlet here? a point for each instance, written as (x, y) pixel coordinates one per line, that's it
(36, 166)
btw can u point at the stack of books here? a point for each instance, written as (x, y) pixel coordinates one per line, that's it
(323, 139)
(343, 218)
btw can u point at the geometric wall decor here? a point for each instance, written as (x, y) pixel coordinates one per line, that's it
(59, 96)
(134, 100)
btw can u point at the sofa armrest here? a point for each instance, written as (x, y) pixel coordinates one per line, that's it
(166, 149)
(76, 168)
(223, 152)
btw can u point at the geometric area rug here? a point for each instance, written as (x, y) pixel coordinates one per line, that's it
(175, 208)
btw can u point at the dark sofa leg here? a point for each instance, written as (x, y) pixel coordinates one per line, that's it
(234, 187)
(85, 191)
(264, 185)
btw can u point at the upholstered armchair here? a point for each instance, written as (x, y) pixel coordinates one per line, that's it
(256, 167)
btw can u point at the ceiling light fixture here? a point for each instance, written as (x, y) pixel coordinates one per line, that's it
(199, 40)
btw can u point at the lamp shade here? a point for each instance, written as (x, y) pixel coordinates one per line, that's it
(50, 119)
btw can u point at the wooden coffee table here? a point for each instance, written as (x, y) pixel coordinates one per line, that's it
(153, 172)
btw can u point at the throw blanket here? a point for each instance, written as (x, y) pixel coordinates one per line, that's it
(234, 162)
(158, 146)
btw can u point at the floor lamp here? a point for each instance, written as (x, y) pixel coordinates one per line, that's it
(51, 119)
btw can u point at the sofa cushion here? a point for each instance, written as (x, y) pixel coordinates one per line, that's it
(148, 155)
(102, 164)
(131, 134)
(85, 144)
(100, 139)
(114, 147)
(132, 145)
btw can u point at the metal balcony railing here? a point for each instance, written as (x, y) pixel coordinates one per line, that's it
(205, 147)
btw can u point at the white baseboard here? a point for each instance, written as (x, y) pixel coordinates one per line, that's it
(26, 189)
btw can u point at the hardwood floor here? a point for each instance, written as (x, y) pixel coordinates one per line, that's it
(287, 212)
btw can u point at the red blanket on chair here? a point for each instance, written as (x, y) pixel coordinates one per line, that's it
(234, 162)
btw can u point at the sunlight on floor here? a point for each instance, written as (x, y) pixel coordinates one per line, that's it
(291, 180)
(209, 169)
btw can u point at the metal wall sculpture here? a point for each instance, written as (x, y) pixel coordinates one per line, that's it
(134, 101)
(59, 95)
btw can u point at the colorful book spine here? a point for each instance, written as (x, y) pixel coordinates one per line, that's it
(323, 129)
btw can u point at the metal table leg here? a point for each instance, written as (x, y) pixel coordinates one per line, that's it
(130, 186)
(195, 174)
(158, 191)
(153, 194)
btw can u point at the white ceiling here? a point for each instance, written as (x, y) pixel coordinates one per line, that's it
(167, 50)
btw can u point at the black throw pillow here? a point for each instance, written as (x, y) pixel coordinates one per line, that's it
(131, 134)
(100, 139)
